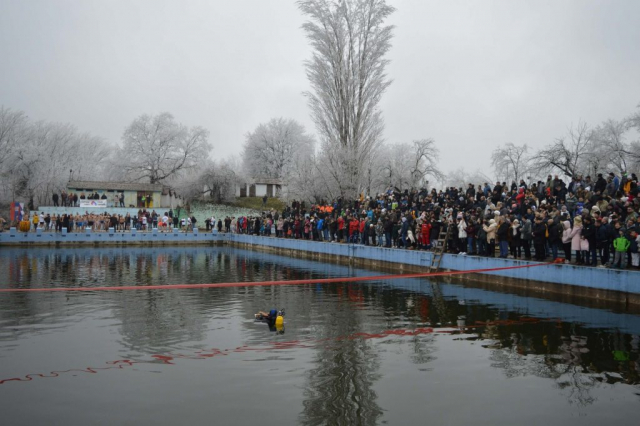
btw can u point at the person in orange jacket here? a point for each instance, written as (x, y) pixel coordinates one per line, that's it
(354, 226)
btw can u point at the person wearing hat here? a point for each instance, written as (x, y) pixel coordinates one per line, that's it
(601, 184)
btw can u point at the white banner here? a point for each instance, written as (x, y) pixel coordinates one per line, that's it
(93, 203)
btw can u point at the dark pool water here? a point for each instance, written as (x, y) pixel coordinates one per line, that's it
(398, 352)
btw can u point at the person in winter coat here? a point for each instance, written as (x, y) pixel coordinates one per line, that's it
(434, 234)
(333, 230)
(471, 236)
(601, 184)
(481, 238)
(603, 239)
(575, 239)
(526, 236)
(491, 229)
(620, 245)
(555, 237)
(387, 229)
(539, 233)
(404, 231)
(379, 232)
(633, 248)
(425, 232)
(354, 228)
(515, 239)
(566, 240)
(589, 234)
(410, 236)
(279, 226)
(520, 197)
(340, 229)
(462, 234)
(503, 237)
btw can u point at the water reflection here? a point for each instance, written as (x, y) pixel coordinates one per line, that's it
(577, 359)
(581, 350)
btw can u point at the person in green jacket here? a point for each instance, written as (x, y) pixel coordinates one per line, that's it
(620, 245)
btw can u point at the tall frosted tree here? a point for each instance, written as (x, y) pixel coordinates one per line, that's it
(347, 75)
(157, 149)
(511, 162)
(271, 150)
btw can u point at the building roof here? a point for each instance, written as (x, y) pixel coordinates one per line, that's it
(267, 181)
(117, 186)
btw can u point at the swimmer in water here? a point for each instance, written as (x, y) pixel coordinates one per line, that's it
(269, 317)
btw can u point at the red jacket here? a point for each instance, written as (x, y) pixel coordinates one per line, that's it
(353, 227)
(425, 230)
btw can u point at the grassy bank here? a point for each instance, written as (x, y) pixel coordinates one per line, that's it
(255, 203)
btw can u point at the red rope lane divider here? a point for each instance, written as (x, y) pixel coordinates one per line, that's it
(267, 283)
(170, 358)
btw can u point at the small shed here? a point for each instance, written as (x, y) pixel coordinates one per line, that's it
(259, 187)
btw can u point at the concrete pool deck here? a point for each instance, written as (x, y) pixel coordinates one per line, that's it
(621, 286)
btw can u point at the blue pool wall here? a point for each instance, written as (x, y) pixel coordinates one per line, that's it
(624, 281)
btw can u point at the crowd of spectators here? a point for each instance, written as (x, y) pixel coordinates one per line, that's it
(585, 222)
(143, 221)
(71, 199)
(594, 222)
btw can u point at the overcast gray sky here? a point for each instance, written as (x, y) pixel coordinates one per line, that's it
(471, 74)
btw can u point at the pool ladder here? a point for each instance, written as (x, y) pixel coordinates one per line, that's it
(440, 247)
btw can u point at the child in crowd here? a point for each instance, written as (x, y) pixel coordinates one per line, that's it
(579, 206)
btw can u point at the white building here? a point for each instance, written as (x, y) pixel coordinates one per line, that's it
(259, 187)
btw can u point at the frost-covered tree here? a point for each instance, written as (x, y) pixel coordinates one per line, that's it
(609, 145)
(634, 147)
(157, 148)
(460, 178)
(569, 155)
(309, 181)
(273, 148)
(511, 162)
(45, 155)
(13, 125)
(215, 180)
(347, 75)
(423, 162)
(408, 165)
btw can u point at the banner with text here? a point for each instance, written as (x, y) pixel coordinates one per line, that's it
(93, 203)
